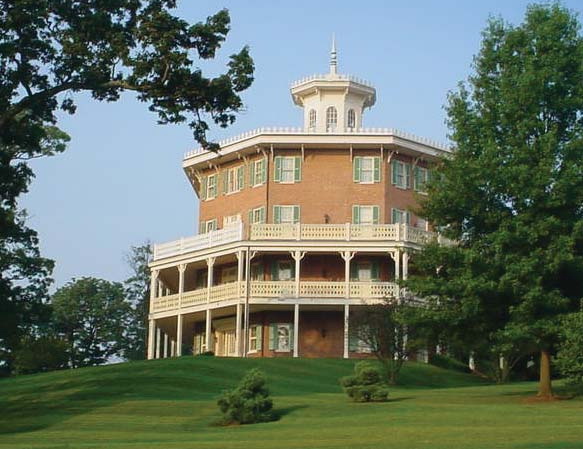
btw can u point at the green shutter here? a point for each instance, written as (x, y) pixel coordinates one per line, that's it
(277, 169)
(264, 170)
(274, 271)
(407, 168)
(407, 218)
(252, 174)
(240, 178)
(250, 219)
(416, 178)
(356, 169)
(296, 214)
(201, 228)
(356, 214)
(203, 184)
(262, 215)
(259, 334)
(353, 271)
(276, 214)
(272, 336)
(394, 168)
(377, 169)
(375, 214)
(297, 169)
(375, 271)
(394, 216)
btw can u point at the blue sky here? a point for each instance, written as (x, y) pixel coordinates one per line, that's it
(120, 183)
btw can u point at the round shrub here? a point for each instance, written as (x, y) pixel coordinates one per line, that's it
(367, 385)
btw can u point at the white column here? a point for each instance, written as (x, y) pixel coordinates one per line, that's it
(208, 330)
(153, 288)
(158, 332)
(346, 329)
(297, 256)
(296, 328)
(165, 345)
(405, 265)
(151, 338)
(179, 335)
(347, 256)
(240, 264)
(172, 348)
(181, 270)
(238, 330)
(397, 265)
(210, 263)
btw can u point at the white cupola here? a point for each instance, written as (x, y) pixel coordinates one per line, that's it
(332, 102)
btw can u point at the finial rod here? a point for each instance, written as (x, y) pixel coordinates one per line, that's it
(333, 56)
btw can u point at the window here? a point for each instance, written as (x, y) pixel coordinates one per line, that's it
(286, 214)
(288, 169)
(420, 178)
(421, 223)
(365, 271)
(228, 274)
(234, 180)
(312, 120)
(257, 272)
(331, 119)
(207, 226)
(351, 120)
(356, 343)
(212, 187)
(257, 215)
(365, 215)
(401, 174)
(400, 216)
(255, 338)
(257, 173)
(284, 271)
(281, 337)
(366, 170)
(231, 220)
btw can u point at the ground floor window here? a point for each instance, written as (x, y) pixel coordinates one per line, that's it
(255, 338)
(357, 344)
(281, 337)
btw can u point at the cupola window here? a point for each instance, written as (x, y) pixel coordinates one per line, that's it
(312, 120)
(331, 119)
(351, 120)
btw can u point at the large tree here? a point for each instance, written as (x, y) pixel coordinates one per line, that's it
(52, 49)
(512, 192)
(92, 316)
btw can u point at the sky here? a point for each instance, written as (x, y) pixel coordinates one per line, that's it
(120, 182)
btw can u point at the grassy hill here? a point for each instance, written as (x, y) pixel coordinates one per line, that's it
(172, 404)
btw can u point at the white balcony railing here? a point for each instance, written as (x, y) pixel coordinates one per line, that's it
(277, 290)
(186, 245)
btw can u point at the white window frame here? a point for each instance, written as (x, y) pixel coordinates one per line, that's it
(280, 270)
(233, 181)
(288, 160)
(230, 272)
(287, 209)
(368, 209)
(258, 167)
(253, 336)
(289, 328)
(367, 159)
(214, 187)
(331, 119)
(312, 117)
(257, 212)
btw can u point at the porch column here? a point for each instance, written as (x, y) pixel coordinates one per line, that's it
(397, 259)
(172, 348)
(210, 262)
(296, 328)
(240, 265)
(208, 330)
(347, 256)
(181, 270)
(179, 326)
(297, 256)
(238, 331)
(346, 329)
(153, 288)
(158, 332)
(151, 338)
(165, 345)
(405, 265)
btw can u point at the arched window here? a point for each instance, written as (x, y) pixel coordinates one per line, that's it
(331, 119)
(312, 120)
(351, 119)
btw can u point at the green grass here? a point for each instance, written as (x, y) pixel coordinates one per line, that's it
(171, 404)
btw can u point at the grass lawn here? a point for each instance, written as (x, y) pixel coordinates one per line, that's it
(171, 404)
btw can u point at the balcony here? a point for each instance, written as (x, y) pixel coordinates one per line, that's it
(304, 232)
(278, 290)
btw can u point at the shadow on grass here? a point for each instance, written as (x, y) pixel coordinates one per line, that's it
(281, 412)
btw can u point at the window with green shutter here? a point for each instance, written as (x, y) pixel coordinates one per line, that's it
(257, 215)
(211, 188)
(366, 170)
(401, 174)
(240, 178)
(420, 178)
(203, 189)
(281, 337)
(258, 172)
(365, 214)
(399, 216)
(286, 214)
(288, 169)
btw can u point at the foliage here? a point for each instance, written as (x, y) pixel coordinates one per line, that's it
(449, 363)
(367, 384)
(511, 192)
(570, 354)
(53, 49)
(92, 316)
(39, 354)
(137, 294)
(382, 327)
(248, 403)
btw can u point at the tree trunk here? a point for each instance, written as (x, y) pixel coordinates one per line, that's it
(544, 386)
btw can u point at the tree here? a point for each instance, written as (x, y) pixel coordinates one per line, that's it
(53, 49)
(570, 349)
(137, 294)
(511, 193)
(92, 316)
(41, 354)
(382, 328)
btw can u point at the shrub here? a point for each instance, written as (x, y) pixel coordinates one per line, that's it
(569, 358)
(366, 385)
(35, 355)
(248, 403)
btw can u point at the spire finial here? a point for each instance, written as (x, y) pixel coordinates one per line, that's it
(333, 58)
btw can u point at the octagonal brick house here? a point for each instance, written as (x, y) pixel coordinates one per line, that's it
(298, 227)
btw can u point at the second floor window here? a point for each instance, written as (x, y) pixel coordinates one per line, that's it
(286, 214)
(257, 215)
(234, 180)
(366, 170)
(211, 190)
(257, 172)
(331, 119)
(400, 216)
(312, 120)
(420, 178)
(207, 226)
(288, 169)
(365, 215)
(401, 176)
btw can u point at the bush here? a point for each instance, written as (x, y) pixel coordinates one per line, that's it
(35, 355)
(248, 403)
(569, 358)
(366, 385)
